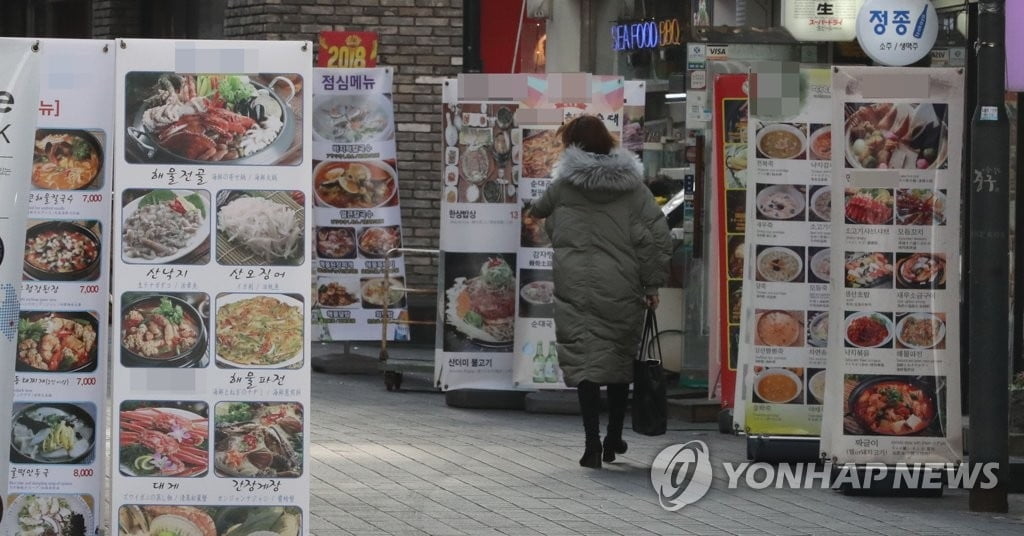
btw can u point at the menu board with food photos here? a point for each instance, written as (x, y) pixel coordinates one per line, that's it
(211, 298)
(730, 165)
(785, 313)
(19, 91)
(498, 292)
(893, 390)
(60, 382)
(356, 215)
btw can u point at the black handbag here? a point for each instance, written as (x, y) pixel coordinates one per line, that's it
(650, 411)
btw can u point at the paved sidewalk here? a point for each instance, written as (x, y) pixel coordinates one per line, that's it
(404, 463)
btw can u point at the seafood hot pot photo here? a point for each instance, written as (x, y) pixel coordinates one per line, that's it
(234, 119)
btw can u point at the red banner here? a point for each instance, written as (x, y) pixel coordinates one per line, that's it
(347, 49)
(730, 147)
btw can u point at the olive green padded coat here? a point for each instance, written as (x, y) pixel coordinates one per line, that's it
(612, 248)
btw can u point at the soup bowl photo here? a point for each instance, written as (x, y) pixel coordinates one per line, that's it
(778, 386)
(781, 141)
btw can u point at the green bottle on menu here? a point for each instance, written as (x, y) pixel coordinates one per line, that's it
(538, 364)
(551, 364)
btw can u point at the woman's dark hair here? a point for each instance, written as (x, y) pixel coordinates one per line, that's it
(588, 133)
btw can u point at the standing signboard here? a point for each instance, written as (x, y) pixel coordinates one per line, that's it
(500, 148)
(347, 50)
(356, 218)
(730, 165)
(19, 95)
(61, 365)
(785, 312)
(893, 388)
(211, 294)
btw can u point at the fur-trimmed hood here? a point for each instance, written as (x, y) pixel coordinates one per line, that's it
(618, 172)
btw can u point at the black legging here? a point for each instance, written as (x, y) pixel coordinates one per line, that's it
(590, 406)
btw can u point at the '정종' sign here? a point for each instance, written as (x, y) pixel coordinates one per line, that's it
(897, 32)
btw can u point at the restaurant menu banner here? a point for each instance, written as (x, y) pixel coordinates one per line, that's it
(785, 312)
(893, 389)
(480, 213)
(211, 298)
(730, 117)
(19, 97)
(498, 330)
(60, 383)
(356, 215)
(621, 105)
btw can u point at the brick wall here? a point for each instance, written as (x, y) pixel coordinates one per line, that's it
(115, 18)
(422, 40)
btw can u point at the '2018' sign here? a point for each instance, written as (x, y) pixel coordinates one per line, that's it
(649, 34)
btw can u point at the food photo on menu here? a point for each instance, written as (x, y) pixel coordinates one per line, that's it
(541, 149)
(780, 264)
(820, 260)
(820, 204)
(778, 385)
(65, 159)
(59, 341)
(872, 270)
(375, 242)
(261, 227)
(536, 294)
(876, 405)
(53, 433)
(920, 206)
(206, 520)
(37, 514)
(921, 331)
(821, 142)
(355, 184)
(781, 202)
(256, 331)
(480, 302)
(483, 154)
(165, 226)
(779, 328)
(336, 292)
(920, 271)
(532, 232)
(348, 118)
(781, 141)
(62, 250)
(869, 330)
(335, 243)
(258, 439)
(163, 439)
(817, 329)
(869, 206)
(209, 119)
(165, 329)
(886, 135)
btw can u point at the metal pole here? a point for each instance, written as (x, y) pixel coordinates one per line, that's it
(989, 225)
(472, 61)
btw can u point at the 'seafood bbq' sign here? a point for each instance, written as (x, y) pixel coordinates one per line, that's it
(646, 34)
(347, 49)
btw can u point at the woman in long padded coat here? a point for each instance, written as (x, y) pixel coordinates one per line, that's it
(612, 249)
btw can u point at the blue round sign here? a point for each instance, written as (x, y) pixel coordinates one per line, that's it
(897, 32)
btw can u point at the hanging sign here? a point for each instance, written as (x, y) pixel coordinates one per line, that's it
(61, 363)
(897, 32)
(347, 49)
(211, 299)
(821, 20)
(893, 385)
(19, 98)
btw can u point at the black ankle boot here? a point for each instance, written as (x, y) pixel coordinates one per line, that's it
(613, 447)
(592, 456)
